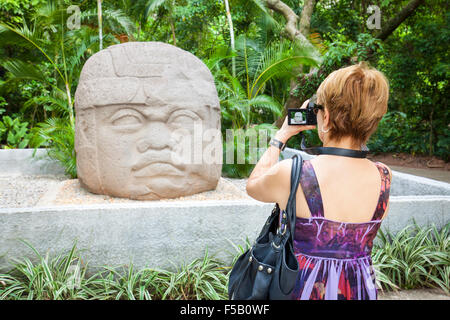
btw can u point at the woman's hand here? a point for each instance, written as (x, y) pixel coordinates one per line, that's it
(286, 131)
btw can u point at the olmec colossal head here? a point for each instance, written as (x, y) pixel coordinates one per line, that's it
(147, 123)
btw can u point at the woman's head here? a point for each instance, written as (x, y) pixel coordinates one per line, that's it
(355, 99)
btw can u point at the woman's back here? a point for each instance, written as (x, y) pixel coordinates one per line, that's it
(345, 196)
(333, 250)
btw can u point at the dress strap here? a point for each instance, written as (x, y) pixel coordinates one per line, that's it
(384, 191)
(310, 186)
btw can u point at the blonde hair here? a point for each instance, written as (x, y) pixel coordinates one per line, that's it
(356, 98)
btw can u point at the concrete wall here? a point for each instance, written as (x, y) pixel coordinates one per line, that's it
(149, 234)
(22, 162)
(158, 233)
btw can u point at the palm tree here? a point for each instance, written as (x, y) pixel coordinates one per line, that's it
(100, 30)
(169, 5)
(63, 52)
(257, 66)
(243, 99)
(230, 23)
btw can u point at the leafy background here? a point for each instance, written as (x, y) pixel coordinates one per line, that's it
(265, 72)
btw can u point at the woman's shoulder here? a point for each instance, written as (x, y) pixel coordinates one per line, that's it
(384, 167)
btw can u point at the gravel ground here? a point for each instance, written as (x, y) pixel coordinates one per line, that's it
(25, 191)
(240, 183)
(29, 191)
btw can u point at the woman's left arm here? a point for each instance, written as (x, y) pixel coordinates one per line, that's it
(270, 177)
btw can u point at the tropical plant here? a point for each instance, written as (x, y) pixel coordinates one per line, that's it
(65, 277)
(59, 278)
(257, 66)
(244, 106)
(64, 52)
(168, 6)
(15, 133)
(59, 135)
(413, 258)
(243, 147)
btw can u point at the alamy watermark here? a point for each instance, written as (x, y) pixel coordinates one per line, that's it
(74, 20)
(74, 277)
(204, 146)
(374, 21)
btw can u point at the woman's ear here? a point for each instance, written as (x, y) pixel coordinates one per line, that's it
(326, 118)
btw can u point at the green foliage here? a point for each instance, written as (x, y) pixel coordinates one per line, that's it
(41, 60)
(414, 58)
(399, 133)
(3, 103)
(418, 68)
(201, 279)
(257, 65)
(15, 10)
(340, 53)
(414, 258)
(60, 278)
(59, 136)
(64, 277)
(14, 133)
(246, 146)
(243, 105)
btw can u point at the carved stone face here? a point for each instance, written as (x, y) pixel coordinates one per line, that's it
(147, 123)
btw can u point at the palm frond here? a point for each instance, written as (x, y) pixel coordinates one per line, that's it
(268, 103)
(115, 21)
(21, 70)
(59, 135)
(53, 104)
(153, 5)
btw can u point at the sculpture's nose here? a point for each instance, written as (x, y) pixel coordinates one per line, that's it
(157, 137)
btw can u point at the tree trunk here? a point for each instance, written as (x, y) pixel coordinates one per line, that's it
(393, 23)
(100, 29)
(305, 24)
(139, 30)
(172, 27)
(305, 19)
(291, 21)
(294, 34)
(230, 23)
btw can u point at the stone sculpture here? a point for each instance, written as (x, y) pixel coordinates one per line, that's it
(147, 123)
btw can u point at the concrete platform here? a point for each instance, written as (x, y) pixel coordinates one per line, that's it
(435, 174)
(415, 294)
(164, 234)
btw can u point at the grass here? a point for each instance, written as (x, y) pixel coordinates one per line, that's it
(413, 258)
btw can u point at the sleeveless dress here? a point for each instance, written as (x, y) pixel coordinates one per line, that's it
(335, 257)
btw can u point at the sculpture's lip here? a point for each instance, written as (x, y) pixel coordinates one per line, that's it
(156, 169)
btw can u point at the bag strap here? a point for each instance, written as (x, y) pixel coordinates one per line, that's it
(297, 163)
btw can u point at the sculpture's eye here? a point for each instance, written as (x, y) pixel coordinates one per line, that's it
(127, 119)
(183, 118)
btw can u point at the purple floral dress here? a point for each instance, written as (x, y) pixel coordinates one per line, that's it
(334, 257)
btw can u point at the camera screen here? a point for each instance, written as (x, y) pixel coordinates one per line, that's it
(297, 116)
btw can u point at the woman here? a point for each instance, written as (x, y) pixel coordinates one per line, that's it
(341, 200)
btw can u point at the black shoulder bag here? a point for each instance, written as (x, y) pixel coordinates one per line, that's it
(268, 270)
